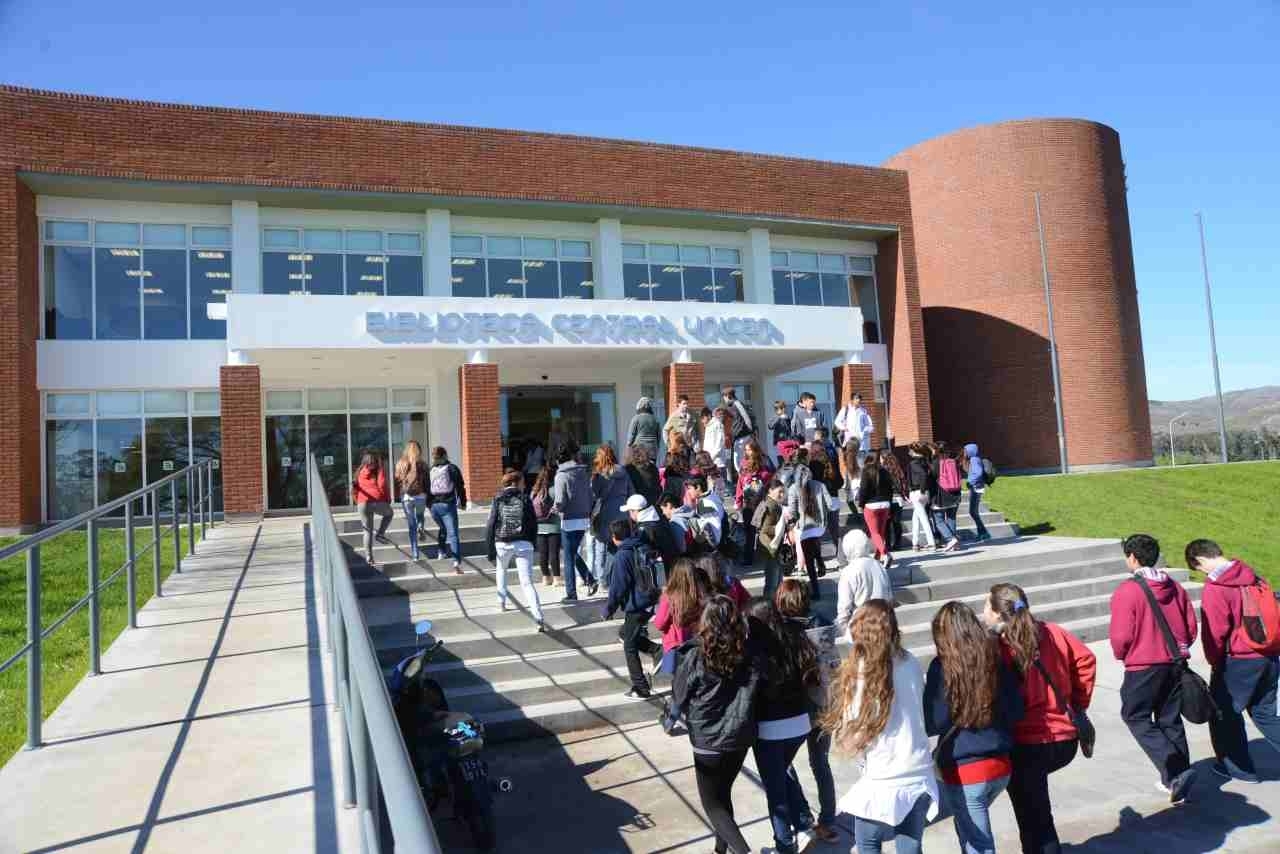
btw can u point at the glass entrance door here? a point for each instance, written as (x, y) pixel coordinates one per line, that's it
(286, 462)
(406, 426)
(329, 444)
(549, 416)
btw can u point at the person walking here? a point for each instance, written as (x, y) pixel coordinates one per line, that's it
(854, 426)
(681, 423)
(784, 724)
(714, 441)
(571, 494)
(674, 474)
(875, 493)
(448, 492)
(717, 685)
(971, 702)
(944, 500)
(654, 530)
(976, 478)
(412, 477)
(921, 487)
(780, 426)
(807, 419)
(643, 431)
(633, 589)
(862, 579)
(643, 474)
(679, 610)
(372, 497)
(742, 423)
(821, 460)
(1239, 635)
(808, 504)
(544, 510)
(876, 714)
(610, 488)
(889, 463)
(1057, 672)
(753, 478)
(510, 534)
(770, 530)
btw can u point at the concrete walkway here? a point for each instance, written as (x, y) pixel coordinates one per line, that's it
(630, 788)
(210, 728)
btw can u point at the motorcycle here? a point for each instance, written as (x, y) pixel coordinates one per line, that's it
(445, 747)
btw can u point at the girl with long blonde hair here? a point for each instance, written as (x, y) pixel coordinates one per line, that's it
(411, 477)
(875, 712)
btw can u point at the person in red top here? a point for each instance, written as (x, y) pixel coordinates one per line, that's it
(1241, 679)
(1045, 739)
(1151, 694)
(372, 497)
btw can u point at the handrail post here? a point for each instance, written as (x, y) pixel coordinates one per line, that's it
(131, 573)
(177, 528)
(35, 661)
(191, 513)
(95, 616)
(200, 491)
(359, 740)
(155, 542)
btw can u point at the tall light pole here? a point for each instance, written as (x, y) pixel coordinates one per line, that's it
(1213, 342)
(1173, 456)
(1053, 344)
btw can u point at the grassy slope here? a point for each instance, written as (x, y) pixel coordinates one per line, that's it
(1237, 505)
(66, 652)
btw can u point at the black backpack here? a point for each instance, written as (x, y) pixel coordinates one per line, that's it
(649, 572)
(989, 473)
(509, 524)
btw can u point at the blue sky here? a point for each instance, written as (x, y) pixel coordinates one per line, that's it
(1195, 95)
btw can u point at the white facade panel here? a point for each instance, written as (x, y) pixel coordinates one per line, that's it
(128, 364)
(62, 207)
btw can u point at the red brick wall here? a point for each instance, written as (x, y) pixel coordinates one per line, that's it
(242, 437)
(687, 378)
(20, 475)
(481, 430)
(983, 298)
(860, 378)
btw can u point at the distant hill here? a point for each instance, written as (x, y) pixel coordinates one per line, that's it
(1248, 409)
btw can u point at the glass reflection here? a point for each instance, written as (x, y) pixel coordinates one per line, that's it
(576, 280)
(542, 279)
(119, 311)
(365, 274)
(210, 283)
(666, 281)
(807, 288)
(282, 273)
(206, 444)
(324, 273)
(329, 444)
(506, 278)
(119, 458)
(164, 294)
(782, 288)
(835, 289)
(68, 300)
(286, 462)
(404, 275)
(468, 277)
(635, 281)
(70, 465)
(699, 286)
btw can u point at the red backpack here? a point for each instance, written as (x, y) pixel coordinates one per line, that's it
(948, 475)
(1260, 618)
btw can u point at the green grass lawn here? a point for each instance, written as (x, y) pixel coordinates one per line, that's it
(1237, 505)
(64, 572)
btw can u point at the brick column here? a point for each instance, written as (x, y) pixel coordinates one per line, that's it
(19, 324)
(242, 432)
(859, 378)
(684, 378)
(481, 430)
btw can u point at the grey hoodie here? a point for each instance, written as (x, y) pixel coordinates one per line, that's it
(571, 491)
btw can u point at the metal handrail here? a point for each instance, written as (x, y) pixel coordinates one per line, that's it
(376, 766)
(199, 479)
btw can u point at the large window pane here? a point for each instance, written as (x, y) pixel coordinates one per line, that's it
(365, 274)
(119, 458)
(835, 288)
(69, 456)
(542, 279)
(164, 293)
(576, 280)
(210, 283)
(782, 288)
(666, 281)
(468, 277)
(635, 281)
(68, 292)
(404, 275)
(329, 444)
(808, 290)
(324, 273)
(506, 278)
(281, 273)
(206, 444)
(406, 426)
(286, 462)
(863, 289)
(698, 284)
(62, 230)
(167, 453)
(119, 309)
(728, 285)
(505, 247)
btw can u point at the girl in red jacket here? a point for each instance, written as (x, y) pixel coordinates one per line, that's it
(372, 496)
(1045, 740)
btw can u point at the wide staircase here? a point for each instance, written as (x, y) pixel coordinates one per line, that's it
(521, 683)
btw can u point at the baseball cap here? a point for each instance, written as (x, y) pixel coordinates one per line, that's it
(636, 503)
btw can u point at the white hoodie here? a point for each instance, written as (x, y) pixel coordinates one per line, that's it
(861, 579)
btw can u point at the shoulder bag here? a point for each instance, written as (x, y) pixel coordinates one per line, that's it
(1197, 704)
(1079, 718)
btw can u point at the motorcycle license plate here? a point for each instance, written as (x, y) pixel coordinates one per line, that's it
(473, 769)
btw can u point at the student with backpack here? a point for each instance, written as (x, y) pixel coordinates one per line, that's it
(1241, 639)
(643, 474)
(412, 477)
(753, 476)
(372, 497)
(1057, 672)
(610, 487)
(972, 699)
(544, 510)
(741, 426)
(704, 517)
(510, 534)
(571, 492)
(978, 478)
(1151, 696)
(767, 521)
(448, 493)
(811, 505)
(780, 426)
(821, 460)
(633, 589)
(656, 532)
(944, 500)
(854, 427)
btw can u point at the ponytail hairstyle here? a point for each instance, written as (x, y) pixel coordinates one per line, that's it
(1015, 624)
(865, 678)
(723, 635)
(797, 655)
(970, 665)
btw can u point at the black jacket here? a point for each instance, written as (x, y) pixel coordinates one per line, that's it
(971, 745)
(529, 525)
(659, 536)
(781, 696)
(459, 485)
(720, 710)
(624, 593)
(739, 426)
(919, 477)
(877, 489)
(645, 481)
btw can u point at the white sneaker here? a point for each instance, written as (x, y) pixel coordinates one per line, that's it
(803, 840)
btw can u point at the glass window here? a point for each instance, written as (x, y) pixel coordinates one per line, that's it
(164, 293)
(817, 279)
(806, 287)
(464, 244)
(286, 458)
(404, 275)
(539, 247)
(542, 279)
(835, 289)
(861, 264)
(206, 401)
(506, 278)
(206, 444)
(409, 398)
(575, 249)
(406, 426)
(368, 398)
(364, 241)
(69, 464)
(164, 235)
(119, 233)
(117, 307)
(327, 398)
(728, 285)
(635, 281)
(667, 286)
(210, 235)
(323, 273)
(119, 403)
(467, 277)
(284, 401)
(699, 285)
(164, 402)
(695, 254)
(404, 242)
(369, 433)
(863, 289)
(68, 290)
(366, 274)
(831, 263)
(782, 288)
(508, 247)
(63, 230)
(778, 259)
(67, 404)
(322, 239)
(576, 280)
(666, 253)
(282, 273)
(166, 444)
(633, 251)
(280, 238)
(728, 256)
(119, 454)
(210, 283)
(328, 437)
(804, 260)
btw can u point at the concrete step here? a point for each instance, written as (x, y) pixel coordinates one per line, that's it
(947, 589)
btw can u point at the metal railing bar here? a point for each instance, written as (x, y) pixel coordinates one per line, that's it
(16, 657)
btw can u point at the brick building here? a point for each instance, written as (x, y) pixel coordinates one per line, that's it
(184, 282)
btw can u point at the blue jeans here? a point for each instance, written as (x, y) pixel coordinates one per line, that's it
(446, 515)
(975, 501)
(772, 575)
(945, 520)
(870, 835)
(970, 804)
(1239, 685)
(415, 508)
(571, 541)
(788, 809)
(819, 745)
